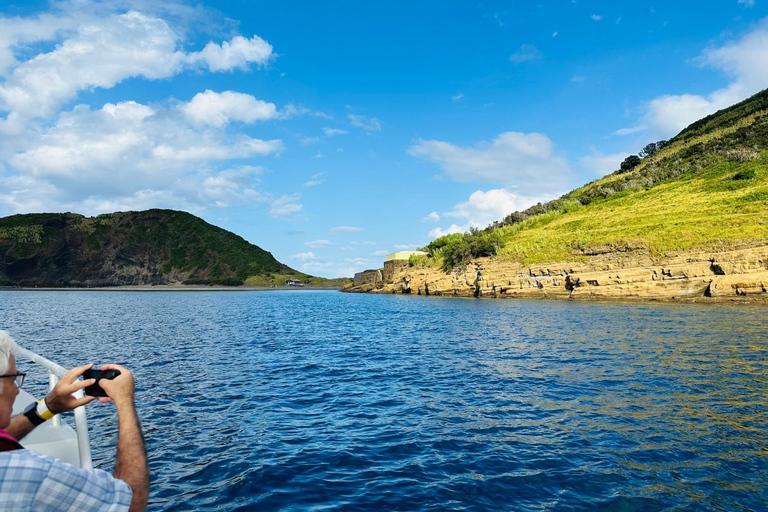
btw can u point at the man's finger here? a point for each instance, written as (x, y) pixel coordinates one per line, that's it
(81, 384)
(83, 401)
(72, 375)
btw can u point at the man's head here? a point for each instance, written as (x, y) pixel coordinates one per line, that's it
(8, 391)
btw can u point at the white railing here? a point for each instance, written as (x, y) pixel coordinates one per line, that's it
(56, 371)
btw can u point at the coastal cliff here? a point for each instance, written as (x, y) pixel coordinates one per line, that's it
(730, 274)
(686, 218)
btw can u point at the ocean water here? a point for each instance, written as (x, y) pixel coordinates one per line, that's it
(315, 401)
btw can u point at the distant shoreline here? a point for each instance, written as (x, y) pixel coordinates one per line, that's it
(167, 288)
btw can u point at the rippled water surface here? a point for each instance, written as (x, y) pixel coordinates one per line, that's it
(316, 401)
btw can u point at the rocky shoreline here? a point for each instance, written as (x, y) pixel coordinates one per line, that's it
(736, 275)
(169, 288)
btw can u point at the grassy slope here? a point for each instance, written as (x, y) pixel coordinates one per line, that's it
(706, 210)
(682, 198)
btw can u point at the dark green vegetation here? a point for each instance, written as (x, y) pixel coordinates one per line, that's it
(129, 248)
(705, 189)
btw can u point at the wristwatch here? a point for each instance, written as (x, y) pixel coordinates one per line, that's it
(38, 412)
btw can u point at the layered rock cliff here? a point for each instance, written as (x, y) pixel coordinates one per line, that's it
(719, 275)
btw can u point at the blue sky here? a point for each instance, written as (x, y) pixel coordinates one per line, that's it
(333, 133)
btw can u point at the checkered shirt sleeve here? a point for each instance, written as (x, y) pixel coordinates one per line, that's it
(33, 482)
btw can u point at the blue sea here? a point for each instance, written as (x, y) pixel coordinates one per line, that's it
(323, 401)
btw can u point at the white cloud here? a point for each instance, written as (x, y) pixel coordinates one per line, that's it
(596, 17)
(554, 34)
(457, 97)
(319, 243)
(512, 159)
(304, 256)
(18, 31)
(747, 3)
(99, 55)
(744, 60)
(600, 165)
(434, 216)
(330, 132)
(101, 52)
(125, 154)
(482, 208)
(369, 124)
(236, 53)
(525, 53)
(405, 247)
(218, 109)
(453, 228)
(315, 180)
(285, 206)
(346, 229)
(380, 253)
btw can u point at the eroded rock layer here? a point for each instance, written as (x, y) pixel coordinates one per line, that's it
(731, 274)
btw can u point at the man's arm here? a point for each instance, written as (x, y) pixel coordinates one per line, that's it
(59, 400)
(131, 464)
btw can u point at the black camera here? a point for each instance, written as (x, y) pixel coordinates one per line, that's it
(94, 389)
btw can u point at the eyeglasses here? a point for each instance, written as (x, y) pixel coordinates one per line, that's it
(17, 377)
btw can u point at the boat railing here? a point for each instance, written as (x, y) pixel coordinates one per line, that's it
(55, 372)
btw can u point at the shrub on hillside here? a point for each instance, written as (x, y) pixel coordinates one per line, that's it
(745, 174)
(458, 248)
(629, 163)
(742, 155)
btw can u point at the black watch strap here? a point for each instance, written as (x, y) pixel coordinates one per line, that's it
(31, 413)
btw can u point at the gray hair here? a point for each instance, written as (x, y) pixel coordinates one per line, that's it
(7, 347)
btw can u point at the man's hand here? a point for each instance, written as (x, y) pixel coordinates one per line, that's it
(119, 389)
(60, 399)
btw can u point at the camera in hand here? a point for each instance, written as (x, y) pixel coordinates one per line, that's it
(94, 389)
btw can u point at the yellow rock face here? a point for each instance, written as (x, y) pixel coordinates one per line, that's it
(721, 275)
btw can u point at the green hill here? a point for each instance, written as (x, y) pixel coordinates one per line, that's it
(130, 248)
(705, 189)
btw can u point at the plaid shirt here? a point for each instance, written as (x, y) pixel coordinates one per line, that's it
(33, 482)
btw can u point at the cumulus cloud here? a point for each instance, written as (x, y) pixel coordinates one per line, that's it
(236, 53)
(744, 61)
(525, 53)
(218, 109)
(484, 207)
(513, 159)
(129, 152)
(369, 124)
(125, 155)
(434, 216)
(103, 52)
(596, 17)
